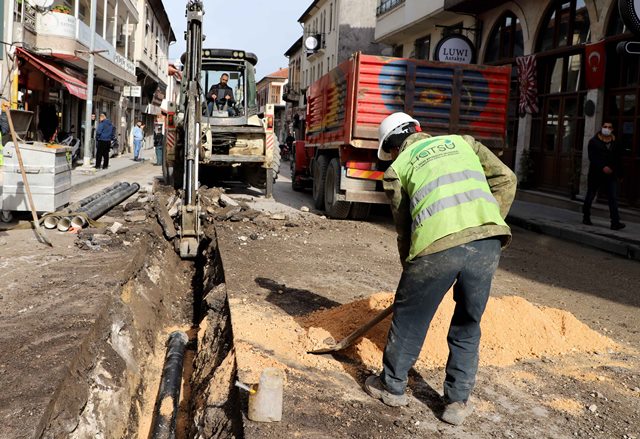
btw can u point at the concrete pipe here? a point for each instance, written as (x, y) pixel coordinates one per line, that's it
(64, 223)
(51, 222)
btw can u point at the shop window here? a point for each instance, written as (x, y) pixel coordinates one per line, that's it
(506, 39)
(566, 24)
(423, 47)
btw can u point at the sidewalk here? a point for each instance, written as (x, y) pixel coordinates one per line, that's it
(567, 224)
(81, 178)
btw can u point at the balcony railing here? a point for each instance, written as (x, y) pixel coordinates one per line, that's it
(387, 5)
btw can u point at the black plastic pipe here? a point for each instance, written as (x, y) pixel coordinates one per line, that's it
(86, 200)
(51, 222)
(99, 207)
(166, 408)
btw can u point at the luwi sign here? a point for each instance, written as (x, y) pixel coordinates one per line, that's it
(456, 49)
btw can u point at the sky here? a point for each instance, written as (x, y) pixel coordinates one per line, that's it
(266, 28)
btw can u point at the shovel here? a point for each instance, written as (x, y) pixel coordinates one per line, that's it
(36, 222)
(346, 342)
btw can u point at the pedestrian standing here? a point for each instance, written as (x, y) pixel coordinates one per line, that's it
(138, 137)
(449, 196)
(605, 168)
(105, 133)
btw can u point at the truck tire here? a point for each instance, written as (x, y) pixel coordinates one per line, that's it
(334, 207)
(319, 174)
(360, 211)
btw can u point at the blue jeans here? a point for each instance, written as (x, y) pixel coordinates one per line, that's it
(137, 146)
(422, 287)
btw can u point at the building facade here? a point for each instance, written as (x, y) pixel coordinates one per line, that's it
(338, 28)
(292, 92)
(270, 91)
(151, 54)
(547, 143)
(332, 31)
(51, 47)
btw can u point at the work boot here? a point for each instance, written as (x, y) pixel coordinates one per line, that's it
(586, 221)
(618, 226)
(374, 387)
(456, 412)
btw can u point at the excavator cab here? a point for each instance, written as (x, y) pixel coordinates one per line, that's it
(237, 99)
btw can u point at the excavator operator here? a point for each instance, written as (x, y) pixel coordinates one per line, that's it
(220, 95)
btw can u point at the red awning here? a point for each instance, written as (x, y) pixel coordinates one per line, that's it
(75, 86)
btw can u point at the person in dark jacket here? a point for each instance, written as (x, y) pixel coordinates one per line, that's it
(604, 171)
(221, 94)
(105, 133)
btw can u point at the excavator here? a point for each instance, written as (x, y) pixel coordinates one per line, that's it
(228, 139)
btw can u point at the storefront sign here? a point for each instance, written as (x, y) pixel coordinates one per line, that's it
(456, 49)
(134, 91)
(56, 24)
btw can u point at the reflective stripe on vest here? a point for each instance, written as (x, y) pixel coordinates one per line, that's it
(445, 179)
(452, 201)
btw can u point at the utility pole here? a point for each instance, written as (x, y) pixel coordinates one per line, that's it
(89, 108)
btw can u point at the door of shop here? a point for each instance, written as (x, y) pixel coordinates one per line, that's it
(559, 153)
(558, 129)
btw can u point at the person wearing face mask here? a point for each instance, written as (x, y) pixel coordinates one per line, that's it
(604, 171)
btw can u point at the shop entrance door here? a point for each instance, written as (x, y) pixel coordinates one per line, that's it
(558, 164)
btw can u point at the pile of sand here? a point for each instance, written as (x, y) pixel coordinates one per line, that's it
(512, 329)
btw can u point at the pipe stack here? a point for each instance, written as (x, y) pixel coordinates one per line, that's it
(100, 206)
(63, 223)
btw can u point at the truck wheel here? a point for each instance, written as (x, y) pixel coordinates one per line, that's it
(319, 174)
(360, 211)
(334, 207)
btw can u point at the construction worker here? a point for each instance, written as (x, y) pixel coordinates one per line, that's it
(449, 196)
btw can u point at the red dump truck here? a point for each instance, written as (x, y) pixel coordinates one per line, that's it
(338, 157)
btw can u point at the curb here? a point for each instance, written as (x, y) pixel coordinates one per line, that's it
(609, 245)
(92, 179)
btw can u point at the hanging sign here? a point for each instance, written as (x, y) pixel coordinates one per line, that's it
(457, 49)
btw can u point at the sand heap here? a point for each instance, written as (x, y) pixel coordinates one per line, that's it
(512, 329)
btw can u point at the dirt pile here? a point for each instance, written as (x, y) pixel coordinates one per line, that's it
(513, 329)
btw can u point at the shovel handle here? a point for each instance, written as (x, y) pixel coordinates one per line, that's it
(346, 342)
(36, 222)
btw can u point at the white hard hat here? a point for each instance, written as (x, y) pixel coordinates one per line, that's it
(387, 126)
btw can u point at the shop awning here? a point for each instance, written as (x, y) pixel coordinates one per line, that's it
(75, 86)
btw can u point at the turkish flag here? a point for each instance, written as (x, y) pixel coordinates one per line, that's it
(595, 64)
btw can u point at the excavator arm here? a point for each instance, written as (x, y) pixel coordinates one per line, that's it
(191, 106)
